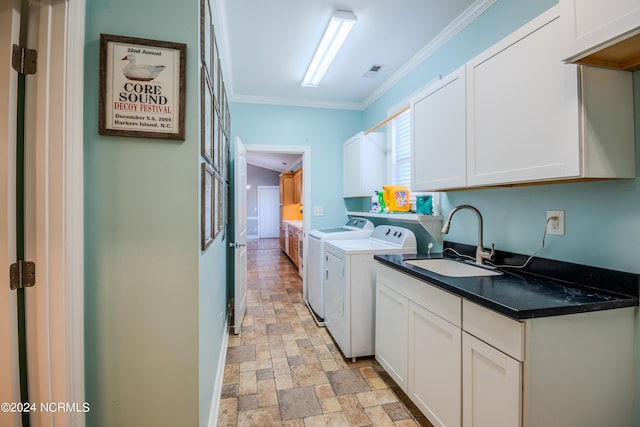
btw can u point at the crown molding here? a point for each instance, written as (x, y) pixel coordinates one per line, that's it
(468, 16)
(295, 102)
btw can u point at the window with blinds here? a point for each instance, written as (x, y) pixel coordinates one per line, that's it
(400, 137)
(401, 149)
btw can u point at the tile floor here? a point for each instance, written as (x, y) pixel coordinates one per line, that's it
(283, 370)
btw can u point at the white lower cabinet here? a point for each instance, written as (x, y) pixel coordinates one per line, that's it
(492, 384)
(434, 366)
(465, 365)
(418, 343)
(392, 315)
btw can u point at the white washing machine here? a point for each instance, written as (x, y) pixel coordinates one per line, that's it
(350, 286)
(355, 228)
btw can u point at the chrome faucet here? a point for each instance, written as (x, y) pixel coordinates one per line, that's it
(481, 254)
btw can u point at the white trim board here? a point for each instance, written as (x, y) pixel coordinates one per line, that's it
(217, 387)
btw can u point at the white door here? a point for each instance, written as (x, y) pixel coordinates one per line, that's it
(52, 217)
(240, 234)
(268, 212)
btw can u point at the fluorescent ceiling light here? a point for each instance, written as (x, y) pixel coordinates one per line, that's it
(335, 34)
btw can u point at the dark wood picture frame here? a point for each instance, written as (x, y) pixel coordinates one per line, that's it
(145, 96)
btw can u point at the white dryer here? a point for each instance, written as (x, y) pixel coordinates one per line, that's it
(350, 286)
(355, 228)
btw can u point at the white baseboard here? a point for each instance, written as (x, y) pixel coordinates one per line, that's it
(217, 388)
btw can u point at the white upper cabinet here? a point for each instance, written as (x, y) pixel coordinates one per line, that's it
(438, 138)
(531, 117)
(519, 114)
(598, 24)
(364, 164)
(522, 108)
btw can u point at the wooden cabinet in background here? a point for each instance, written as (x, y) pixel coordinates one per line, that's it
(293, 245)
(297, 186)
(286, 188)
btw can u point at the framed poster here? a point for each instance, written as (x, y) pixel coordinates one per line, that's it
(142, 87)
(207, 206)
(207, 122)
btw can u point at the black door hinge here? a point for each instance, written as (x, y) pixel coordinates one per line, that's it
(23, 60)
(22, 274)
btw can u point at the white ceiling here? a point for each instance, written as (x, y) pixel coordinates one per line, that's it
(281, 162)
(267, 45)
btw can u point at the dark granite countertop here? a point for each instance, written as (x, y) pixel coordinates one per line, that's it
(523, 295)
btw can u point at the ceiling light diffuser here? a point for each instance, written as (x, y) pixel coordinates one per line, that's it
(334, 36)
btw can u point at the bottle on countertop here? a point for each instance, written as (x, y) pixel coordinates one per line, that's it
(375, 206)
(381, 203)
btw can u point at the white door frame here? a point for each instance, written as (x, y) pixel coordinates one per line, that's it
(62, 336)
(260, 218)
(54, 240)
(240, 235)
(305, 151)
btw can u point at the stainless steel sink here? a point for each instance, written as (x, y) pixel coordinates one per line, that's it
(451, 268)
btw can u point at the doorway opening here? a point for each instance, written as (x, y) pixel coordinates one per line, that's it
(272, 157)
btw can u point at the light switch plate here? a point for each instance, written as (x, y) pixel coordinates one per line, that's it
(318, 211)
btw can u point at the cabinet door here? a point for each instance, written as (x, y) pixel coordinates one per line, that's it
(522, 109)
(352, 167)
(435, 366)
(438, 135)
(297, 186)
(364, 164)
(293, 246)
(597, 22)
(335, 294)
(286, 188)
(392, 320)
(492, 384)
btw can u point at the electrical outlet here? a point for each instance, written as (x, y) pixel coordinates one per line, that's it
(318, 211)
(556, 225)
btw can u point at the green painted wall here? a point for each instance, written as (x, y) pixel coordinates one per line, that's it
(155, 304)
(323, 130)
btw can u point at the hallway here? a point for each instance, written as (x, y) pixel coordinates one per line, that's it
(282, 370)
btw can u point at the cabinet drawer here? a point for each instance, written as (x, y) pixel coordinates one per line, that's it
(439, 302)
(495, 329)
